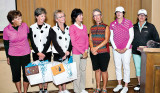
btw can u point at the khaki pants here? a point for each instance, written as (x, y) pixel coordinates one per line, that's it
(79, 83)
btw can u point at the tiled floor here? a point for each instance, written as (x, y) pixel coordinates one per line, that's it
(110, 86)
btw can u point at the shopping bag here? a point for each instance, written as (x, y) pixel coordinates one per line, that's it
(44, 75)
(68, 75)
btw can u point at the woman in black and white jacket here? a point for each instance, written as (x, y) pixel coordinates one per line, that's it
(39, 32)
(60, 34)
(63, 39)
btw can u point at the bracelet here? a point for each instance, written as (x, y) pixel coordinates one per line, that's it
(86, 50)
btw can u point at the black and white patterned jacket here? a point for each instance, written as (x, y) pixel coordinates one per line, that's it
(60, 40)
(39, 36)
(63, 38)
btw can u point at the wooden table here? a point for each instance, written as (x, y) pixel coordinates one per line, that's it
(150, 70)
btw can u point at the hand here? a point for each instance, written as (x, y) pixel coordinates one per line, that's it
(85, 55)
(41, 56)
(123, 50)
(8, 61)
(67, 53)
(64, 57)
(94, 49)
(118, 50)
(95, 53)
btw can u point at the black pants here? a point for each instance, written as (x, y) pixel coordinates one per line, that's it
(16, 62)
(57, 57)
(100, 61)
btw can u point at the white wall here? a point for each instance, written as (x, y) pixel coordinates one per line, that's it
(5, 7)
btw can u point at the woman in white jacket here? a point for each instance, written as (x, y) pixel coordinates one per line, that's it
(39, 32)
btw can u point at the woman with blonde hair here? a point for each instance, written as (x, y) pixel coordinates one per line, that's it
(63, 39)
(59, 35)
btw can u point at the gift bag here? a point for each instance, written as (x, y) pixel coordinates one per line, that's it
(69, 74)
(44, 75)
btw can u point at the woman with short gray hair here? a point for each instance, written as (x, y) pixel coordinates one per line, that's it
(39, 32)
(99, 47)
(39, 11)
(97, 10)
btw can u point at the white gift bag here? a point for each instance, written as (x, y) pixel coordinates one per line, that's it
(44, 75)
(69, 74)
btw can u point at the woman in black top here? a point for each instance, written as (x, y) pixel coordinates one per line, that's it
(143, 32)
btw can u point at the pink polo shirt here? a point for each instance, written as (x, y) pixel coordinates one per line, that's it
(79, 39)
(121, 33)
(18, 42)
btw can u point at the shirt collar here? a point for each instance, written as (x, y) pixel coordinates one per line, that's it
(11, 28)
(142, 25)
(42, 25)
(59, 27)
(140, 28)
(80, 27)
(121, 22)
(101, 23)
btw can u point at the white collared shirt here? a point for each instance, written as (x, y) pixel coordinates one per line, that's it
(80, 27)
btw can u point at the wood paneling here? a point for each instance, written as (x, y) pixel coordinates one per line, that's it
(147, 4)
(27, 8)
(156, 79)
(156, 14)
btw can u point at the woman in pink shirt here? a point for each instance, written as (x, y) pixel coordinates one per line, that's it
(121, 38)
(79, 39)
(17, 48)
